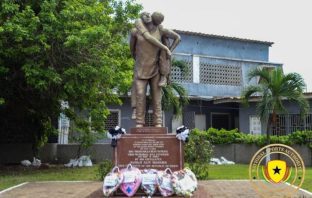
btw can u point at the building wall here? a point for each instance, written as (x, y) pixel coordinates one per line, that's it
(202, 45)
(205, 51)
(202, 89)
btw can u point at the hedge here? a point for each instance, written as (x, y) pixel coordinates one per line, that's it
(223, 136)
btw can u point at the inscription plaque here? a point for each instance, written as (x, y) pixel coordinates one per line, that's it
(149, 151)
(149, 130)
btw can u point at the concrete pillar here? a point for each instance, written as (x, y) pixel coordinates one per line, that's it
(196, 71)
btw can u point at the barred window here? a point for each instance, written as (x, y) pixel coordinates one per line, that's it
(280, 125)
(177, 75)
(296, 123)
(220, 74)
(308, 122)
(289, 123)
(113, 119)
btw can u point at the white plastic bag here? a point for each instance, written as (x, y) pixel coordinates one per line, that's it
(26, 163)
(36, 162)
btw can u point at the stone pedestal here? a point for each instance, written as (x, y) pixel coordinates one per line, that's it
(149, 147)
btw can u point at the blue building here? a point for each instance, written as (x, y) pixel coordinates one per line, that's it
(218, 68)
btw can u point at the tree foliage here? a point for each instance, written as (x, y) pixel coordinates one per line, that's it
(274, 87)
(54, 50)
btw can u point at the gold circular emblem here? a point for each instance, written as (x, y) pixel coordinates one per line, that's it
(276, 170)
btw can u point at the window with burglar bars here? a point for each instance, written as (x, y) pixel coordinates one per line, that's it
(308, 122)
(296, 123)
(178, 76)
(280, 125)
(113, 119)
(220, 74)
(290, 123)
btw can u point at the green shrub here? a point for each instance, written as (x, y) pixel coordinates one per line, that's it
(301, 137)
(198, 149)
(104, 168)
(199, 169)
(223, 136)
(280, 139)
(215, 136)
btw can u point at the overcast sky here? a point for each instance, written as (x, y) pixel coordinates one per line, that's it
(287, 23)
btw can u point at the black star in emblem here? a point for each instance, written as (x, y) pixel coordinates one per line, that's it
(276, 170)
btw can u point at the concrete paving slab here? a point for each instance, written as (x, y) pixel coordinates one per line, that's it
(206, 189)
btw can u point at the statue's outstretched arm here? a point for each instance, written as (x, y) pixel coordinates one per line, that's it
(142, 29)
(173, 35)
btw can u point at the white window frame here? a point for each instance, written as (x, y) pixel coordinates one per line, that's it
(251, 131)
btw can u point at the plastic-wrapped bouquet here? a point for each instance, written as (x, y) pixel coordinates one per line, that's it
(184, 182)
(149, 181)
(112, 181)
(132, 180)
(164, 179)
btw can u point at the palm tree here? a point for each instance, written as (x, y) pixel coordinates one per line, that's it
(274, 87)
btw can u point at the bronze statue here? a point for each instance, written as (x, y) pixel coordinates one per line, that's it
(152, 63)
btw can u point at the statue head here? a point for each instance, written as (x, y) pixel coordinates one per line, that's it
(146, 17)
(157, 18)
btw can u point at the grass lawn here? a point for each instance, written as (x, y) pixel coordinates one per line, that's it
(12, 176)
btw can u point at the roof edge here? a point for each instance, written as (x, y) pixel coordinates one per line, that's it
(223, 37)
(237, 99)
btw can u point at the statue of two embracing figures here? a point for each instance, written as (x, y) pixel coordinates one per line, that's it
(151, 45)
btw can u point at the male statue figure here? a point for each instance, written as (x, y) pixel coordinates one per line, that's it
(146, 54)
(164, 44)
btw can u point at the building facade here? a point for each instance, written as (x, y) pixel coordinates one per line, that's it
(218, 69)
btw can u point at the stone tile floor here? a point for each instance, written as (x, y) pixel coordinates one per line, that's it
(207, 189)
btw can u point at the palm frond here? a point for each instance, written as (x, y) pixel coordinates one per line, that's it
(174, 98)
(293, 81)
(248, 92)
(265, 106)
(185, 70)
(259, 72)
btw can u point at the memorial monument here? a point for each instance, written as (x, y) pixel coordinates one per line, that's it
(150, 147)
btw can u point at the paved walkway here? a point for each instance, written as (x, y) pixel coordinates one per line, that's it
(207, 189)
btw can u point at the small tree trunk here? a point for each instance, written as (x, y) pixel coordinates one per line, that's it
(268, 157)
(268, 131)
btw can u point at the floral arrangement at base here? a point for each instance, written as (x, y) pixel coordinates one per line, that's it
(129, 179)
